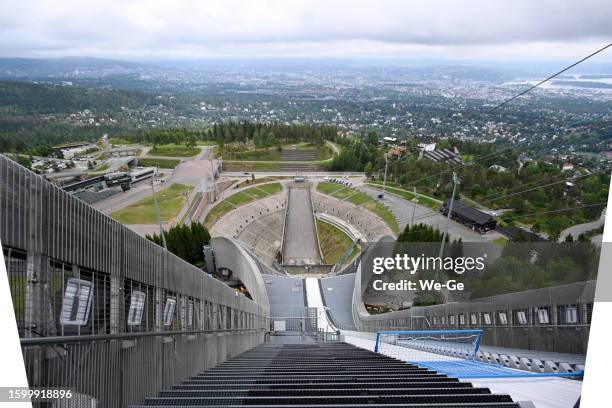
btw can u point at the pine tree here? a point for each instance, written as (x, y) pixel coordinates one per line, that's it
(186, 242)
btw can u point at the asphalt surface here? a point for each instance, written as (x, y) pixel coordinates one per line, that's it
(123, 199)
(300, 245)
(116, 163)
(576, 230)
(191, 171)
(402, 210)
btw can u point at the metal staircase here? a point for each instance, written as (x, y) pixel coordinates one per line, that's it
(323, 375)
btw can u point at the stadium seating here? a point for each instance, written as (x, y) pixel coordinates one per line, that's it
(324, 375)
(257, 225)
(263, 236)
(367, 223)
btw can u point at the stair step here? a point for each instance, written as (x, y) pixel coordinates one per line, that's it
(323, 375)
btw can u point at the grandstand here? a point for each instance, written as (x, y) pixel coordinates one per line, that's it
(369, 225)
(258, 225)
(263, 236)
(299, 160)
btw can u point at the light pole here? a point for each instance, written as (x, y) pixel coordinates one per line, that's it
(450, 210)
(161, 227)
(385, 178)
(414, 204)
(214, 181)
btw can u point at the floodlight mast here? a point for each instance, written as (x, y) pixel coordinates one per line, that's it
(456, 181)
(214, 181)
(161, 227)
(414, 204)
(385, 178)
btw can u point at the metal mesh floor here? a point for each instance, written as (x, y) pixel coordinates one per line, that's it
(323, 375)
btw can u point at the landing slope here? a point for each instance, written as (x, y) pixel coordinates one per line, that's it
(300, 246)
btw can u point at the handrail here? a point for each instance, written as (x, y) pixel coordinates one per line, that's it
(123, 336)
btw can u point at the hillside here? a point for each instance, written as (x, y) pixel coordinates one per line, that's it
(34, 115)
(18, 98)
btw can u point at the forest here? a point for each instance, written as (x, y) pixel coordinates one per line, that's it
(494, 189)
(532, 265)
(522, 266)
(261, 134)
(185, 241)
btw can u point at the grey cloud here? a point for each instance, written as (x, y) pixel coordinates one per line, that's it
(154, 26)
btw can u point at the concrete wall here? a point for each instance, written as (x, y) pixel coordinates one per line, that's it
(229, 254)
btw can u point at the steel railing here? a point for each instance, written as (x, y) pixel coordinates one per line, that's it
(119, 370)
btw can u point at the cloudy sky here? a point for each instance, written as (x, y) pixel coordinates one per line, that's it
(188, 29)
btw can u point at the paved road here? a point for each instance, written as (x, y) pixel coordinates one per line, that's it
(123, 199)
(334, 147)
(191, 171)
(402, 210)
(300, 246)
(116, 163)
(576, 230)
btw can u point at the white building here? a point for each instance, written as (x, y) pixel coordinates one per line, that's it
(70, 152)
(567, 167)
(427, 147)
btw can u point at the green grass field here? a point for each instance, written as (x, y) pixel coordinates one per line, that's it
(103, 168)
(344, 193)
(115, 141)
(334, 242)
(232, 153)
(257, 193)
(272, 188)
(173, 150)
(269, 159)
(240, 198)
(269, 154)
(170, 201)
(155, 162)
(217, 212)
(358, 198)
(502, 241)
(385, 214)
(329, 188)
